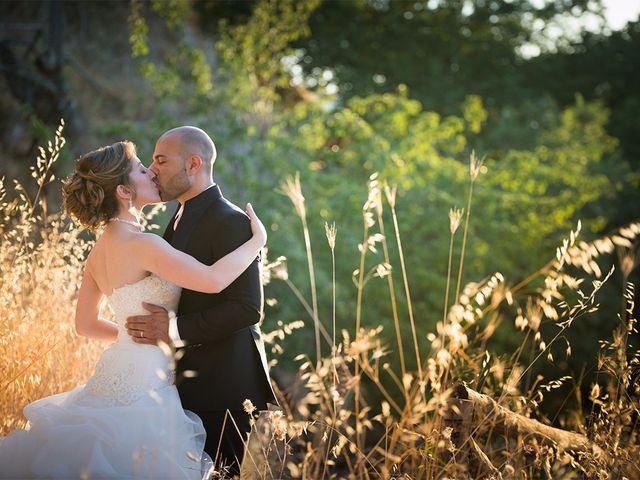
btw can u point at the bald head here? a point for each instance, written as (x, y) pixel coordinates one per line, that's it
(193, 141)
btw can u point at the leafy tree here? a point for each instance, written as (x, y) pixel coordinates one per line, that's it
(604, 68)
(442, 50)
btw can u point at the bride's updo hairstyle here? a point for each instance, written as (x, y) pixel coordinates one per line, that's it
(90, 193)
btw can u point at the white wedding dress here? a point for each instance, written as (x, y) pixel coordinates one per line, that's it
(125, 422)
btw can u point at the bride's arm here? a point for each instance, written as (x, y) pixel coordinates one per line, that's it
(88, 322)
(158, 257)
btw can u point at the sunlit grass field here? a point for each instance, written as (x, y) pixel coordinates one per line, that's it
(41, 257)
(428, 424)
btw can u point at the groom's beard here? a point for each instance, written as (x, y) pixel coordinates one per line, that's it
(174, 186)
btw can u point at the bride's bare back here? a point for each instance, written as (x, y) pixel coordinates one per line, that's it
(111, 263)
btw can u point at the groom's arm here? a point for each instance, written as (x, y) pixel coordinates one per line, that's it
(242, 300)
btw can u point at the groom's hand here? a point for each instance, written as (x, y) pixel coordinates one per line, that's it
(150, 329)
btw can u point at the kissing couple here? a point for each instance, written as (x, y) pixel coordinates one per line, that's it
(192, 300)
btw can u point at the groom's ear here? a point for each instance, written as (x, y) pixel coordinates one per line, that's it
(194, 164)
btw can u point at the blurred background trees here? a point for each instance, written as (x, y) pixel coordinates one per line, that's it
(340, 90)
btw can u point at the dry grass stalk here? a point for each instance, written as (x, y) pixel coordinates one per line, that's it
(331, 233)
(475, 167)
(455, 214)
(293, 189)
(388, 273)
(390, 194)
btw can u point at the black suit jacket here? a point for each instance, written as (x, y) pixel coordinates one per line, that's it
(224, 360)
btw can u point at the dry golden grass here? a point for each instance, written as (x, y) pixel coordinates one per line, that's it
(335, 432)
(329, 427)
(41, 260)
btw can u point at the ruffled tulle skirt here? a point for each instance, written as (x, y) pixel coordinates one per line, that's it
(78, 434)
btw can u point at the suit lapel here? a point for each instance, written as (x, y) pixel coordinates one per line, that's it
(191, 215)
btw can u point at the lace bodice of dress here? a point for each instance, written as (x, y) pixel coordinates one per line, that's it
(127, 300)
(126, 371)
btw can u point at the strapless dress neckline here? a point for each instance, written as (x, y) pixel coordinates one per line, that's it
(137, 283)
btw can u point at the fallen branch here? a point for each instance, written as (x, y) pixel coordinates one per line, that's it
(487, 411)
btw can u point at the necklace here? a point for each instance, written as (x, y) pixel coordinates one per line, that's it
(128, 222)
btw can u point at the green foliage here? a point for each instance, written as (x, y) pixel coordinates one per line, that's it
(474, 113)
(184, 72)
(444, 51)
(251, 54)
(605, 68)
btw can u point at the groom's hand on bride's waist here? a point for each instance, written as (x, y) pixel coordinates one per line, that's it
(150, 329)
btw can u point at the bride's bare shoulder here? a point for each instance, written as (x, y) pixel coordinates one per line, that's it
(133, 243)
(146, 240)
(146, 237)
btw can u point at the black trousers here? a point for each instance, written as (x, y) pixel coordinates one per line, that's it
(226, 448)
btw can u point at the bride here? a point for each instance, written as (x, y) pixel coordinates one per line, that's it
(127, 420)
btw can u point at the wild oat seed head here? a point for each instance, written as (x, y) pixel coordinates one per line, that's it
(390, 193)
(369, 219)
(373, 199)
(382, 270)
(248, 406)
(292, 188)
(627, 262)
(279, 269)
(534, 314)
(455, 214)
(331, 232)
(595, 392)
(475, 166)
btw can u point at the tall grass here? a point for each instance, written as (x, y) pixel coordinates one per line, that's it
(329, 426)
(406, 435)
(41, 257)
(42, 261)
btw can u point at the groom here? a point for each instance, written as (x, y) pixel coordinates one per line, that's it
(221, 359)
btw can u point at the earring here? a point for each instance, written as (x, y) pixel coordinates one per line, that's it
(130, 204)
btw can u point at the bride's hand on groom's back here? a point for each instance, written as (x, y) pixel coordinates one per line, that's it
(257, 228)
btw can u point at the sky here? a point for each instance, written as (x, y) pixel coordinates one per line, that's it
(619, 12)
